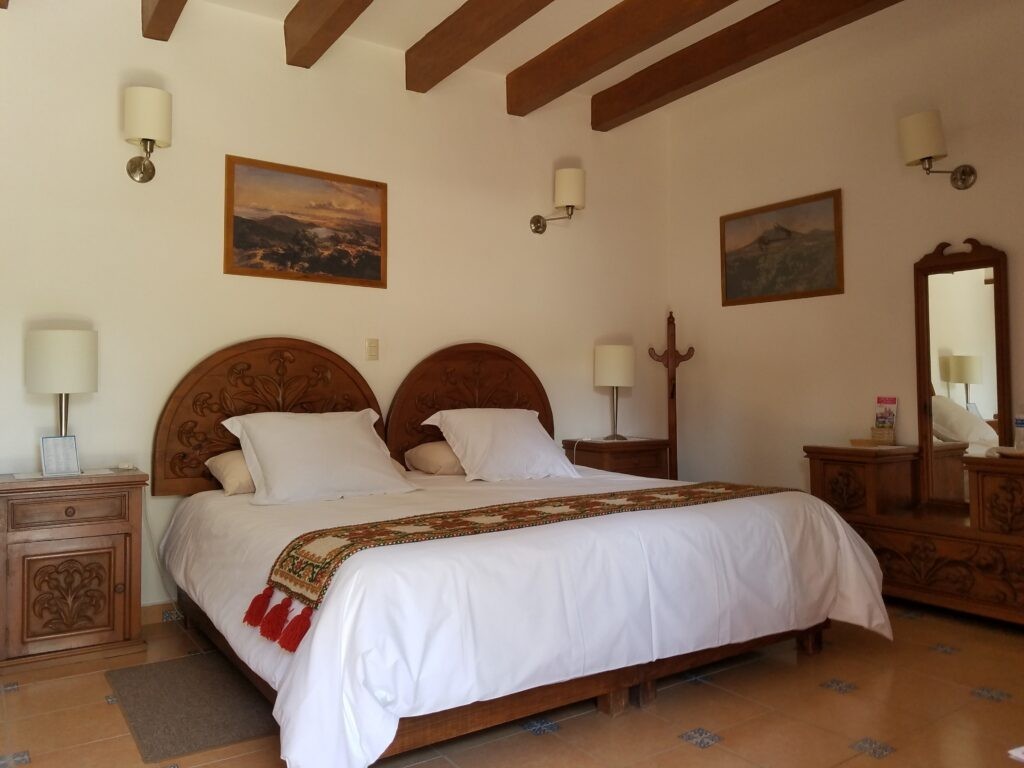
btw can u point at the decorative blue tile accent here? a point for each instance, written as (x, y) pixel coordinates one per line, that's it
(10, 687)
(839, 686)
(700, 738)
(539, 726)
(172, 615)
(992, 694)
(110, 699)
(873, 748)
(18, 758)
(945, 649)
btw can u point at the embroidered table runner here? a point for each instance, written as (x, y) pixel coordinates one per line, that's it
(303, 571)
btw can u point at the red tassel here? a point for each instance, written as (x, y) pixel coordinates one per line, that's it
(296, 630)
(258, 607)
(273, 623)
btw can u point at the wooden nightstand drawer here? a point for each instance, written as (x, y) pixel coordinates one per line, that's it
(66, 509)
(636, 456)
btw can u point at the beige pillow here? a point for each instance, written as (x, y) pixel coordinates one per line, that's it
(436, 458)
(231, 472)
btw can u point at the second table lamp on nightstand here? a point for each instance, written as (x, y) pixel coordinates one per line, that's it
(613, 367)
(62, 363)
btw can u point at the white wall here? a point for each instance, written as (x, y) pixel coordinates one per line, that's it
(80, 243)
(770, 378)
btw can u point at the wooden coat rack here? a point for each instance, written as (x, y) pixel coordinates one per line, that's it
(671, 358)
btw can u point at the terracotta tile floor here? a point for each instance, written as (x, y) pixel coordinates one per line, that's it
(948, 693)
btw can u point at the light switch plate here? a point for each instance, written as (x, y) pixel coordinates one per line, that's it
(373, 349)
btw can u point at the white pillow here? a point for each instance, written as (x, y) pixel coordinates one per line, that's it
(501, 444)
(435, 458)
(231, 472)
(315, 456)
(954, 423)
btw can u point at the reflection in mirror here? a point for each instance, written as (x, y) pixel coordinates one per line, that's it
(963, 371)
(961, 321)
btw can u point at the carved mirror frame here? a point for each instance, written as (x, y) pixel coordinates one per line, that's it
(940, 262)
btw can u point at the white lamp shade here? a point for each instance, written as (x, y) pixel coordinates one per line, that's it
(147, 115)
(61, 361)
(964, 369)
(613, 365)
(570, 188)
(921, 136)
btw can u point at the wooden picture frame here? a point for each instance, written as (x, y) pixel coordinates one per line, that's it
(300, 224)
(787, 250)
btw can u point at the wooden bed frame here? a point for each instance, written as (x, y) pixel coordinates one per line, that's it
(298, 376)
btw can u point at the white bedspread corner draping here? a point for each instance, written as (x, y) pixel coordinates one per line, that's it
(419, 628)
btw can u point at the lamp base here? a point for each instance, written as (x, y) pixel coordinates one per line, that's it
(616, 436)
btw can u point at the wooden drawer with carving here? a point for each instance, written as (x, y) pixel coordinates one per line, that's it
(997, 494)
(978, 576)
(34, 512)
(71, 552)
(864, 481)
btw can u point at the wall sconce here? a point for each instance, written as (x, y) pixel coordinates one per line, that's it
(922, 141)
(570, 194)
(147, 123)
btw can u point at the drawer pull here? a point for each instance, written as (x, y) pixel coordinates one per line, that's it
(69, 512)
(119, 588)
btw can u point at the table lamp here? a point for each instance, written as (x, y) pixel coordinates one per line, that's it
(613, 367)
(61, 362)
(966, 370)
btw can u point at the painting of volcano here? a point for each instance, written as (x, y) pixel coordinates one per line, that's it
(789, 250)
(299, 224)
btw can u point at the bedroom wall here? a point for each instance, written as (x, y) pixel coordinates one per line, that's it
(769, 378)
(81, 244)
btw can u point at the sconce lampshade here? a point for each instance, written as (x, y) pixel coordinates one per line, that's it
(613, 365)
(570, 188)
(61, 361)
(921, 136)
(964, 369)
(147, 115)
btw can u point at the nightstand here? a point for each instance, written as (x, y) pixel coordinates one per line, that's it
(71, 552)
(647, 457)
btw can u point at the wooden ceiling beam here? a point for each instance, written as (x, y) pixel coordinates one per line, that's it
(619, 33)
(473, 28)
(159, 17)
(767, 33)
(313, 26)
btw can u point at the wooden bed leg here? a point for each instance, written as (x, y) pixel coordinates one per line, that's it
(808, 642)
(643, 694)
(614, 702)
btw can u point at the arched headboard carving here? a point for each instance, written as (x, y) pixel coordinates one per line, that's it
(270, 374)
(462, 376)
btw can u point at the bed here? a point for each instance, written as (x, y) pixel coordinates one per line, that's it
(423, 642)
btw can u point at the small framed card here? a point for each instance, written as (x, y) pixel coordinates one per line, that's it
(60, 456)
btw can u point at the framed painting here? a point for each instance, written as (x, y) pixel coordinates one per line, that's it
(299, 224)
(790, 250)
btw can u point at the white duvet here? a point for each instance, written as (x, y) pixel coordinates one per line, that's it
(423, 627)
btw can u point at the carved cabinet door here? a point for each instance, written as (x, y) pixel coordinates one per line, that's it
(65, 594)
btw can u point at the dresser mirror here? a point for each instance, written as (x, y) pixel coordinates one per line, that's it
(963, 364)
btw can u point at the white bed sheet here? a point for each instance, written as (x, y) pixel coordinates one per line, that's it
(418, 628)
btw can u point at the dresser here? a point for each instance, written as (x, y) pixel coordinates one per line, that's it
(647, 457)
(965, 556)
(71, 553)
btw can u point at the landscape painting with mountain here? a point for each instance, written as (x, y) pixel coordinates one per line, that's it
(789, 250)
(300, 224)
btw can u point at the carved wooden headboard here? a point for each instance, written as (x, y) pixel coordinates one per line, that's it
(272, 374)
(463, 376)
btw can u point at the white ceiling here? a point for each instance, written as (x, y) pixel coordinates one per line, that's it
(400, 23)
